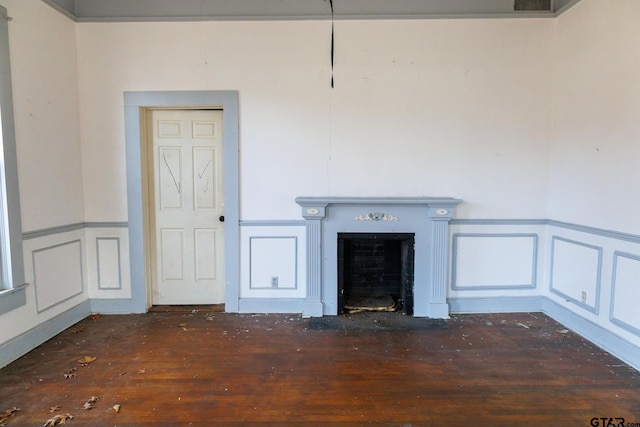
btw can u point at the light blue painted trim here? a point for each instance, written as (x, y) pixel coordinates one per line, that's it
(66, 7)
(35, 279)
(134, 102)
(624, 325)
(107, 224)
(561, 6)
(594, 309)
(456, 221)
(634, 238)
(271, 305)
(60, 229)
(534, 262)
(52, 231)
(12, 268)
(528, 304)
(438, 202)
(24, 343)
(603, 338)
(295, 267)
(272, 223)
(12, 298)
(117, 239)
(198, 10)
(113, 305)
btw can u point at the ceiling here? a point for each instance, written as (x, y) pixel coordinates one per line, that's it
(195, 10)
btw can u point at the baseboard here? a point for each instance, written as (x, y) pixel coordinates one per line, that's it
(273, 305)
(495, 305)
(22, 344)
(601, 337)
(606, 340)
(116, 306)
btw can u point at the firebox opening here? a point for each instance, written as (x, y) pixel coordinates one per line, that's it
(375, 272)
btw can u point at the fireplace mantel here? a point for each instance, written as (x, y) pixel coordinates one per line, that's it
(426, 217)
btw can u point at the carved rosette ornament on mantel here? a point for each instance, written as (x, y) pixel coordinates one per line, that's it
(376, 216)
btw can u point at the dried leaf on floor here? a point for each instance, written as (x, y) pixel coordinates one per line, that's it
(77, 330)
(57, 420)
(86, 360)
(95, 316)
(182, 325)
(55, 408)
(6, 414)
(116, 408)
(69, 373)
(142, 371)
(90, 403)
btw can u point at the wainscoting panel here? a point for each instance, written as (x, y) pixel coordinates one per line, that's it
(272, 261)
(576, 272)
(108, 260)
(57, 274)
(625, 291)
(271, 265)
(108, 274)
(494, 261)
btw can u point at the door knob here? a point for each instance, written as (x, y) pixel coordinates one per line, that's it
(221, 218)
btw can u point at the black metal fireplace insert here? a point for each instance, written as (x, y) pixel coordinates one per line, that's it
(375, 272)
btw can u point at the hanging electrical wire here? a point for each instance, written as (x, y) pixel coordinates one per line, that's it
(332, 41)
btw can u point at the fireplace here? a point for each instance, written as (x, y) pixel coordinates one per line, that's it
(375, 272)
(425, 218)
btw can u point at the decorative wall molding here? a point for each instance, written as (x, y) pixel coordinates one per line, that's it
(598, 279)
(617, 235)
(36, 278)
(376, 216)
(516, 286)
(44, 232)
(227, 10)
(425, 217)
(272, 223)
(101, 284)
(632, 301)
(269, 286)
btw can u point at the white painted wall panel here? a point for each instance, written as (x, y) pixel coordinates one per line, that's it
(626, 291)
(273, 262)
(57, 272)
(485, 261)
(108, 261)
(108, 270)
(576, 270)
(269, 251)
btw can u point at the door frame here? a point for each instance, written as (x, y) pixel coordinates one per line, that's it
(136, 105)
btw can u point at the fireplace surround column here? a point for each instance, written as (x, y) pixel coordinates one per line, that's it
(314, 214)
(427, 218)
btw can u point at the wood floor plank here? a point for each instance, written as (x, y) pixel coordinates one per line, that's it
(180, 368)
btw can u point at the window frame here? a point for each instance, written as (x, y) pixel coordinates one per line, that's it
(12, 286)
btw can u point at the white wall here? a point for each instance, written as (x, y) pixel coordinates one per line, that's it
(45, 100)
(596, 101)
(434, 107)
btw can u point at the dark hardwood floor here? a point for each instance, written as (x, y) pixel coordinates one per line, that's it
(206, 368)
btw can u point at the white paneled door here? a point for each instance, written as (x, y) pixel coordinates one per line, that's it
(187, 205)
